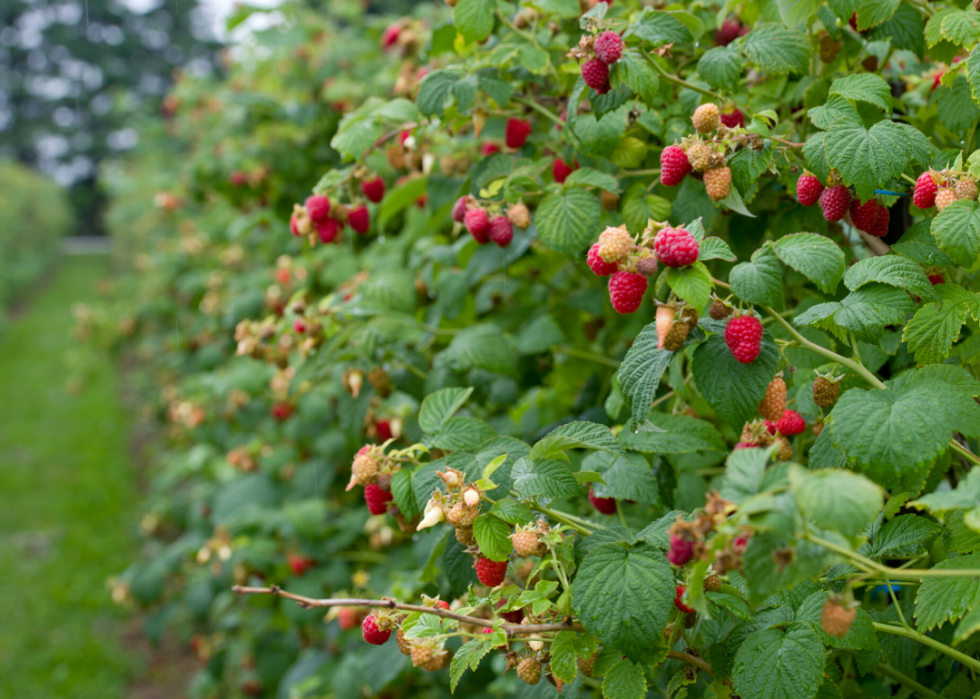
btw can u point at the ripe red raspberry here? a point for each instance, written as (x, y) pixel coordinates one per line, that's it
(597, 264)
(675, 247)
(282, 411)
(328, 230)
(384, 430)
(491, 573)
(359, 219)
(863, 216)
(729, 30)
(489, 148)
(773, 403)
(377, 499)
(770, 427)
(880, 227)
(924, 196)
(681, 550)
(372, 634)
(936, 279)
(609, 47)
(560, 170)
(808, 189)
(374, 189)
(516, 132)
(836, 618)
(733, 119)
(318, 207)
(674, 165)
(606, 506)
(390, 35)
(743, 335)
(299, 325)
(595, 74)
(500, 231)
(477, 221)
(626, 291)
(459, 209)
(678, 597)
(442, 604)
(740, 543)
(299, 564)
(294, 224)
(790, 424)
(834, 202)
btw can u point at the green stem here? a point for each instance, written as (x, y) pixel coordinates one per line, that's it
(891, 573)
(965, 659)
(823, 351)
(561, 517)
(622, 517)
(855, 350)
(539, 109)
(680, 82)
(889, 671)
(590, 356)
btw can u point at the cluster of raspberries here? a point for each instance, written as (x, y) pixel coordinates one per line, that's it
(688, 540)
(605, 49)
(836, 202)
(498, 229)
(705, 153)
(628, 265)
(373, 470)
(320, 219)
(940, 189)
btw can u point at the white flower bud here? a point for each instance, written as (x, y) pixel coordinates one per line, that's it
(432, 517)
(471, 497)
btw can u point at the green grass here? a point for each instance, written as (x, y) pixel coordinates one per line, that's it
(67, 498)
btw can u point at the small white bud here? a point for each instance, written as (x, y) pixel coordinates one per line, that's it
(471, 497)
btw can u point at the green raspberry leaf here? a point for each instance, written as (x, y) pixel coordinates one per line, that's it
(892, 270)
(674, 434)
(816, 257)
(867, 158)
(626, 477)
(624, 680)
(474, 18)
(435, 88)
(492, 534)
(773, 664)
(721, 68)
(733, 389)
(624, 596)
(640, 373)
(636, 74)
(889, 434)
(658, 28)
(957, 232)
(864, 87)
(839, 500)
(947, 599)
(904, 536)
(691, 283)
(469, 655)
(760, 280)
(864, 312)
(933, 329)
(576, 435)
(777, 50)
(546, 478)
(566, 222)
(861, 636)
(438, 407)
(966, 495)
(919, 245)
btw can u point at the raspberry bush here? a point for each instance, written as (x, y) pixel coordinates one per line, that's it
(529, 310)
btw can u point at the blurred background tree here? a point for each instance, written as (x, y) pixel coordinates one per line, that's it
(75, 75)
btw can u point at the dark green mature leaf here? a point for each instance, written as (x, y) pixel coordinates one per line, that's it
(463, 433)
(957, 110)
(691, 283)
(957, 232)
(748, 164)
(733, 389)
(546, 478)
(873, 12)
(576, 435)
(435, 88)
(624, 595)
(773, 664)
(864, 87)
(715, 249)
(867, 158)
(905, 536)
(796, 12)
(721, 68)
(947, 599)
(627, 477)
(777, 50)
(479, 347)
(966, 495)
(864, 312)
(590, 177)
(919, 245)
(892, 270)
(760, 280)
(744, 473)
(640, 372)
(888, 433)
(816, 155)
(837, 500)
(566, 222)
(813, 256)
(566, 649)
(438, 407)
(469, 655)
(401, 490)
(675, 434)
(905, 28)
(635, 73)
(492, 534)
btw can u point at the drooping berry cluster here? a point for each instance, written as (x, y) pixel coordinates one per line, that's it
(498, 229)
(691, 540)
(600, 52)
(323, 220)
(942, 188)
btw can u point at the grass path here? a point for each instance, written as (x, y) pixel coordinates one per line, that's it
(67, 499)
